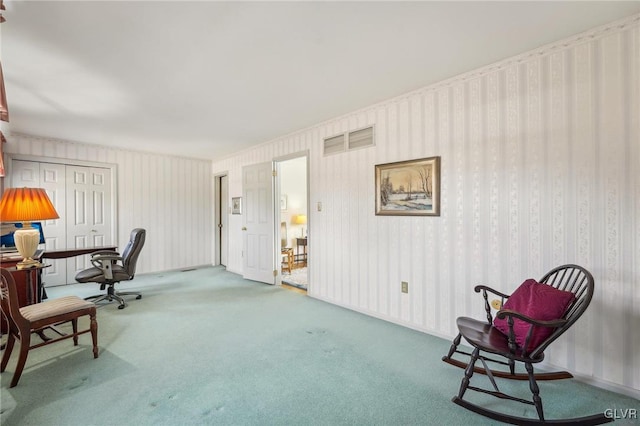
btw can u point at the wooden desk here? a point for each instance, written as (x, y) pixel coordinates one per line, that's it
(64, 253)
(32, 287)
(301, 257)
(28, 283)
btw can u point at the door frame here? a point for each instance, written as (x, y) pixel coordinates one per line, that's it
(217, 217)
(70, 162)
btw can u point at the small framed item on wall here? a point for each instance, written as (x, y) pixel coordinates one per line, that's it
(408, 188)
(236, 205)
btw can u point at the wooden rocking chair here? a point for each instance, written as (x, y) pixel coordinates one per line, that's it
(520, 332)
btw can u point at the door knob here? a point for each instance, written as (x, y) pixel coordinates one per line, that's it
(244, 228)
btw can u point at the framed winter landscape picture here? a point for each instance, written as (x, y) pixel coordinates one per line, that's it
(408, 188)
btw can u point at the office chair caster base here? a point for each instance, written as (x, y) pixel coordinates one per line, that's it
(112, 296)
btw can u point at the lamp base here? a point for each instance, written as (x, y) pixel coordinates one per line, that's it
(26, 239)
(27, 263)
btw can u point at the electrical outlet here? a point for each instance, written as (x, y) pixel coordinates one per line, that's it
(405, 286)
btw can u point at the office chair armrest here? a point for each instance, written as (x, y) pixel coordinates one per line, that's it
(104, 261)
(107, 257)
(105, 253)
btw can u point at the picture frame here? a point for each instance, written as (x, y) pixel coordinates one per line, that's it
(236, 205)
(408, 188)
(283, 202)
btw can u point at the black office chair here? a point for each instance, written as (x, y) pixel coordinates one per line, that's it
(109, 267)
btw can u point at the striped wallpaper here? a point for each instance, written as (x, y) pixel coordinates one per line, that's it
(168, 196)
(540, 167)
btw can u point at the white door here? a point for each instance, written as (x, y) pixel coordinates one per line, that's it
(83, 199)
(258, 223)
(88, 212)
(51, 177)
(25, 174)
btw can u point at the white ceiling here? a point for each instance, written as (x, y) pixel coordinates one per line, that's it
(206, 79)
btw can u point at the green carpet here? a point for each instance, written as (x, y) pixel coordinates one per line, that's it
(205, 347)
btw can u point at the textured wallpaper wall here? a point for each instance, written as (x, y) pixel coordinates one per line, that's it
(168, 196)
(540, 167)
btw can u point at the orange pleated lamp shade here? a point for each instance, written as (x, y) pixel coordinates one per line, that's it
(26, 205)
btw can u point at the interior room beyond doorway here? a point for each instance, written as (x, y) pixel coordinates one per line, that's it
(293, 221)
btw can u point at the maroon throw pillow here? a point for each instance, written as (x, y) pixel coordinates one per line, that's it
(538, 301)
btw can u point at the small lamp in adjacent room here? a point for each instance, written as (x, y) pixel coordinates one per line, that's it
(26, 205)
(300, 219)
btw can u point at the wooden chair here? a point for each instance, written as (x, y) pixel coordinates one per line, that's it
(287, 259)
(286, 262)
(22, 322)
(522, 339)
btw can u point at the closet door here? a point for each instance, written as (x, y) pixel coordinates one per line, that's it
(25, 174)
(83, 199)
(88, 195)
(51, 177)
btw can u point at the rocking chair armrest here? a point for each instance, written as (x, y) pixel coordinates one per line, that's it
(487, 306)
(480, 288)
(508, 312)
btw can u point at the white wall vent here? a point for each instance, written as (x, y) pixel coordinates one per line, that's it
(361, 138)
(334, 144)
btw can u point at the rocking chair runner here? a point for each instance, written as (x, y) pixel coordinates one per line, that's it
(520, 340)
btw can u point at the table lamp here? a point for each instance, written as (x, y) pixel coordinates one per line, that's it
(300, 219)
(26, 205)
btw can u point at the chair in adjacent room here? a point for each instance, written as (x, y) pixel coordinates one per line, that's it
(22, 322)
(109, 268)
(286, 252)
(287, 259)
(532, 318)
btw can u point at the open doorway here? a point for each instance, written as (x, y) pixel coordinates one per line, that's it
(292, 177)
(221, 216)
